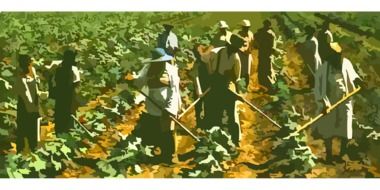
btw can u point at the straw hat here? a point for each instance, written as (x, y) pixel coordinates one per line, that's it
(245, 23)
(158, 55)
(223, 24)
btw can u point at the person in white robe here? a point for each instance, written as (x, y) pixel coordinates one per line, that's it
(341, 79)
(160, 75)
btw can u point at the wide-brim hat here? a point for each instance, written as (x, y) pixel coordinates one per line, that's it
(336, 47)
(236, 41)
(158, 55)
(223, 24)
(245, 23)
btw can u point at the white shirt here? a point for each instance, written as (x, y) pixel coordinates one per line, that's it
(167, 97)
(76, 71)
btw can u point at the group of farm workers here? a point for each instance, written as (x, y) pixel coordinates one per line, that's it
(224, 70)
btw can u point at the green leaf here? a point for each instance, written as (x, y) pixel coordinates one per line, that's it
(14, 174)
(57, 165)
(106, 168)
(38, 164)
(6, 73)
(4, 132)
(24, 171)
(65, 150)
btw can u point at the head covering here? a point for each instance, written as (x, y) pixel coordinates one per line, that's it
(236, 41)
(309, 30)
(267, 23)
(158, 55)
(69, 58)
(167, 25)
(24, 61)
(325, 25)
(336, 47)
(223, 24)
(245, 23)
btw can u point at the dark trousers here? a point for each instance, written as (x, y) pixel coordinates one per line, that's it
(27, 128)
(329, 144)
(155, 131)
(223, 101)
(244, 59)
(264, 70)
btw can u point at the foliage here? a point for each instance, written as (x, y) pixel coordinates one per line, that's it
(111, 45)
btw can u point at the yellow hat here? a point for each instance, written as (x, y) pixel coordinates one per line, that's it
(336, 47)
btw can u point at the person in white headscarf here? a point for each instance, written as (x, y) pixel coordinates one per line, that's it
(160, 75)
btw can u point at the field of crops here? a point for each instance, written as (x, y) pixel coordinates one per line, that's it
(111, 45)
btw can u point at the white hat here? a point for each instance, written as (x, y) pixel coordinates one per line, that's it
(245, 23)
(223, 24)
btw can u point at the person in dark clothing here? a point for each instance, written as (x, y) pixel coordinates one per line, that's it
(201, 84)
(66, 82)
(224, 67)
(311, 58)
(27, 105)
(325, 37)
(264, 41)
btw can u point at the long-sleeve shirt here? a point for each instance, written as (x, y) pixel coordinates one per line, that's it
(339, 83)
(168, 97)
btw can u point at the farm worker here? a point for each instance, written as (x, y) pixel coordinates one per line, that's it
(66, 79)
(26, 89)
(223, 36)
(325, 37)
(313, 61)
(245, 51)
(167, 40)
(341, 79)
(265, 42)
(225, 69)
(160, 75)
(201, 83)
